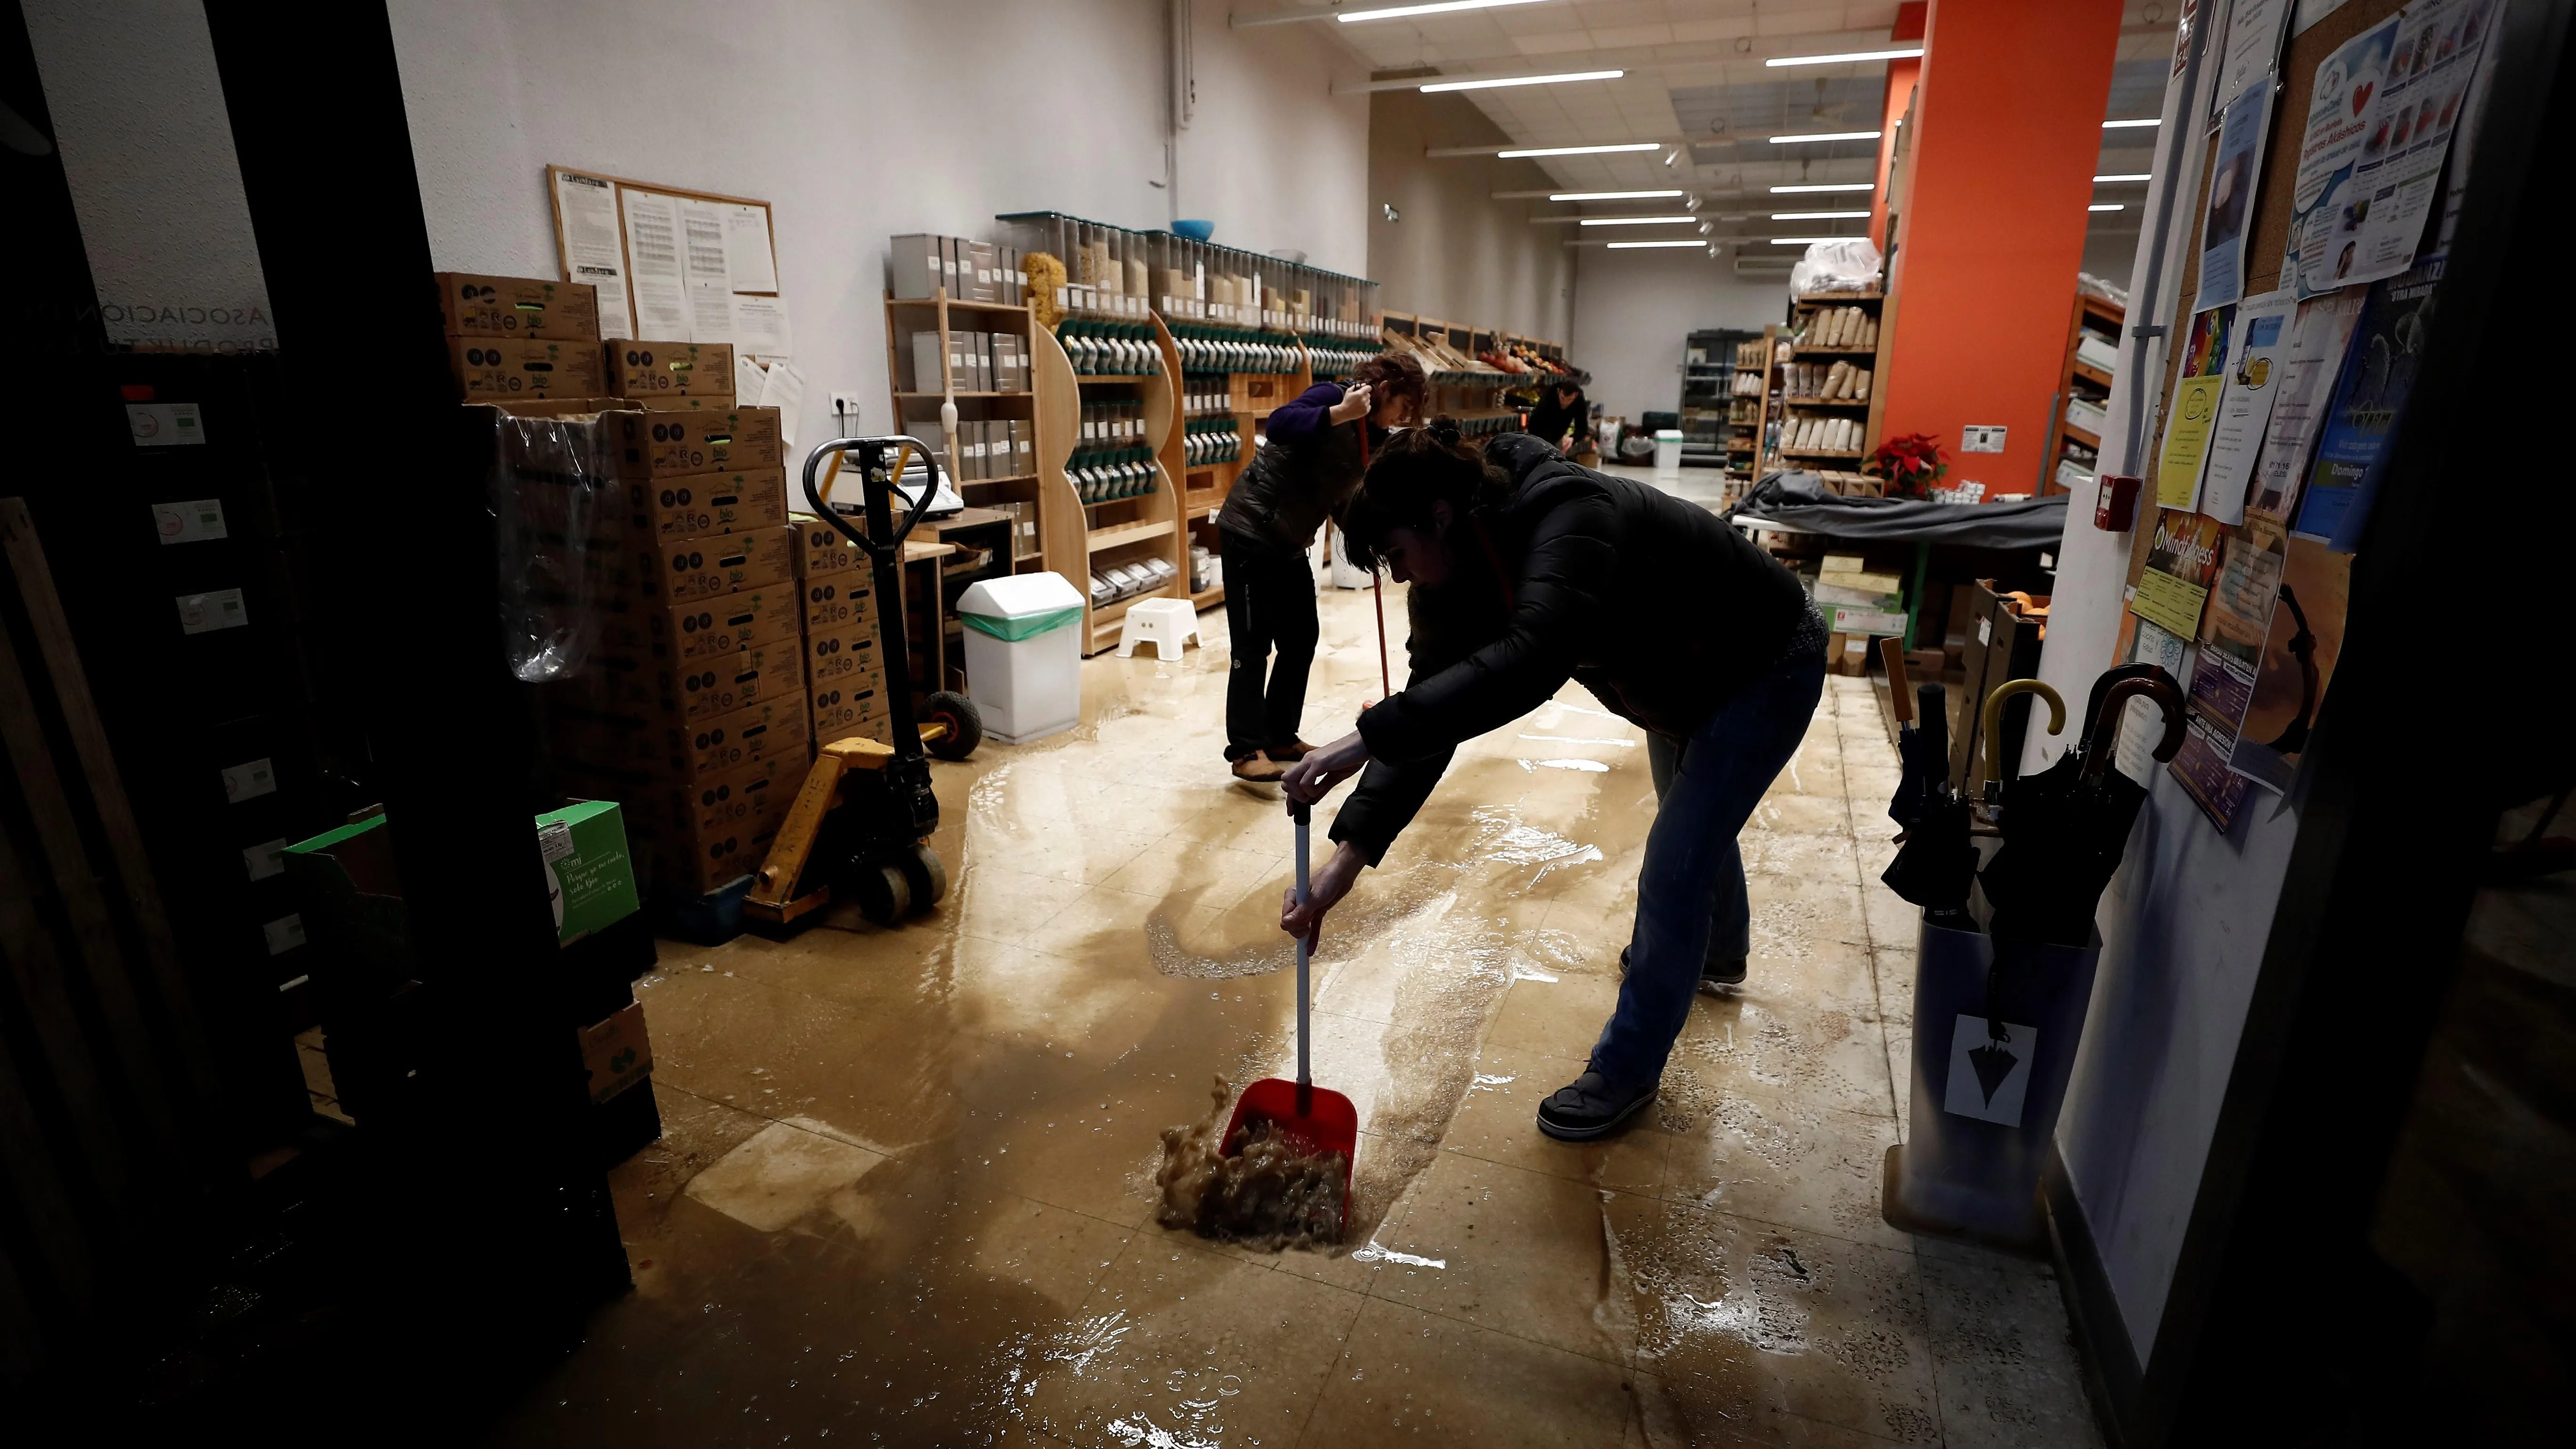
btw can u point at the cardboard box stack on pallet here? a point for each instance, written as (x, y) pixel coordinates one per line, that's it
(1858, 606)
(694, 712)
(844, 653)
(657, 574)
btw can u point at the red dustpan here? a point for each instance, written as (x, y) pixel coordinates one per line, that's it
(1312, 1119)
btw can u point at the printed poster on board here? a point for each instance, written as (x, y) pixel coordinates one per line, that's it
(2299, 653)
(2253, 376)
(2379, 370)
(2239, 168)
(2181, 560)
(2337, 123)
(2193, 411)
(2397, 181)
(2227, 663)
(2320, 333)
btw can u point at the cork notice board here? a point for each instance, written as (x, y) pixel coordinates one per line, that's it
(672, 263)
(2268, 233)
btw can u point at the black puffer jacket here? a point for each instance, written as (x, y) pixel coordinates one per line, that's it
(1654, 605)
(1299, 479)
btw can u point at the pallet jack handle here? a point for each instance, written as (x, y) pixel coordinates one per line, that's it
(874, 490)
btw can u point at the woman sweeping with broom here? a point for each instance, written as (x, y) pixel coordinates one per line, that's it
(1307, 469)
(1527, 571)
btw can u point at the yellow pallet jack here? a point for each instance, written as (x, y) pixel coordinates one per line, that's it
(861, 824)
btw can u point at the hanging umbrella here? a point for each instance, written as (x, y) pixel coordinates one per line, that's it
(2065, 828)
(1934, 863)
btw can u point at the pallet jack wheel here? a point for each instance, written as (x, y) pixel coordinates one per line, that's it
(965, 724)
(927, 875)
(883, 894)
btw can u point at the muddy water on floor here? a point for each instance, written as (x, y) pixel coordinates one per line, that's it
(907, 1184)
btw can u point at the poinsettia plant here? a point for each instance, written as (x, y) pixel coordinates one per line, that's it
(1909, 465)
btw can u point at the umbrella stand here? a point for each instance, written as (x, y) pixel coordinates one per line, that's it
(1986, 1092)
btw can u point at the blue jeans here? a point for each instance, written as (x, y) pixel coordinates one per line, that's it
(1691, 906)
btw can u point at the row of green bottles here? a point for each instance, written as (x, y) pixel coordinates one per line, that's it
(1117, 349)
(1212, 440)
(1232, 349)
(1104, 475)
(1336, 359)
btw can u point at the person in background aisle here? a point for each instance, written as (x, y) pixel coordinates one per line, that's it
(1563, 418)
(1307, 469)
(1527, 571)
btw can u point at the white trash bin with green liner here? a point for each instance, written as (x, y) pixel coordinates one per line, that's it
(1024, 655)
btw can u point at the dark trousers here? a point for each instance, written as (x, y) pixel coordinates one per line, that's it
(1269, 605)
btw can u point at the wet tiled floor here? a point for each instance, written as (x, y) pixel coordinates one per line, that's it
(904, 1195)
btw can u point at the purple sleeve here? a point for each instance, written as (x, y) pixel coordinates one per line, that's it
(1304, 415)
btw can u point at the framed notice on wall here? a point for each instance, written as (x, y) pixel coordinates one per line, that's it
(672, 264)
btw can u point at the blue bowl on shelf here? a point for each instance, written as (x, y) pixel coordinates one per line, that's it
(1194, 230)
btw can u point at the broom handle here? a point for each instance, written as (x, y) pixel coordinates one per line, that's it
(1305, 1080)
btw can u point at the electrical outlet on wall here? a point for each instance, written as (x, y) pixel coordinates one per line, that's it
(845, 405)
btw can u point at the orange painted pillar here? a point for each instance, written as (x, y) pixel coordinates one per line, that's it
(2008, 118)
(1901, 76)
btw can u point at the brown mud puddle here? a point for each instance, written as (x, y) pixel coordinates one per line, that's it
(1267, 1194)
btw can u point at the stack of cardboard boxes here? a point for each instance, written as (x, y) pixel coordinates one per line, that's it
(651, 527)
(691, 709)
(516, 338)
(845, 673)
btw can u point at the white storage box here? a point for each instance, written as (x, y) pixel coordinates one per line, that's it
(1024, 655)
(1668, 450)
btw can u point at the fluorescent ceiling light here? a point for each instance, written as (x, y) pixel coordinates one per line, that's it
(1632, 246)
(2106, 206)
(1397, 12)
(1530, 80)
(1824, 215)
(1800, 241)
(2125, 125)
(1582, 150)
(1610, 195)
(1635, 220)
(1825, 136)
(1902, 52)
(2125, 176)
(1826, 186)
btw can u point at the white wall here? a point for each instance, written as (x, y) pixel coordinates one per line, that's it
(1632, 310)
(860, 121)
(1454, 252)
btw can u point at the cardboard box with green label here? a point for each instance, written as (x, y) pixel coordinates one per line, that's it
(350, 879)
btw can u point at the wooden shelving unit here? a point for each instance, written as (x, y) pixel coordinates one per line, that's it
(2099, 318)
(1251, 397)
(1787, 410)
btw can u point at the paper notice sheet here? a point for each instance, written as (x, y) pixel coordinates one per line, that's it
(748, 255)
(760, 326)
(2241, 130)
(785, 392)
(749, 380)
(592, 250)
(2319, 333)
(2253, 41)
(2338, 123)
(705, 270)
(653, 262)
(2397, 182)
(2253, 378)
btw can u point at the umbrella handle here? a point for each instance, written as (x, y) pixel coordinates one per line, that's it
(2105, 739)
(1992, 726)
